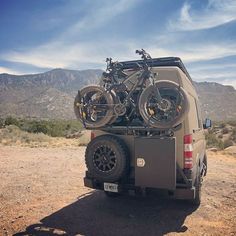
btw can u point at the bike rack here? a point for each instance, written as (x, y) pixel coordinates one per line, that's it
(132, 129)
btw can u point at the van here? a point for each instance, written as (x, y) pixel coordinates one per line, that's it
(141, 159)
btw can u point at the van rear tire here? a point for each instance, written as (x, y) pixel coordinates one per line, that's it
(198, 190)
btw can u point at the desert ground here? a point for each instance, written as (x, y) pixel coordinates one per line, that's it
(42, 193)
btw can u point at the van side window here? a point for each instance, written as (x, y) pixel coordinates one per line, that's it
(199, 117)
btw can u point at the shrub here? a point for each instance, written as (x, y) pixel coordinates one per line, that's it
(225, 130)
(222, 125)
(2, 123)
(233, 136)
(14, 135)
(213, 141)
(12, 121)
(54, 128)
(232, 123)
(228, 143)
(218, 124)
(38, 127)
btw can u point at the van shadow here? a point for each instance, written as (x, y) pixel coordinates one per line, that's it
(95, 214)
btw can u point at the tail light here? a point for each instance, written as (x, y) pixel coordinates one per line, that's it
(92, 135)
(188, 151)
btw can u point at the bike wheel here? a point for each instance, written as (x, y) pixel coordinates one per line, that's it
(93, 106)
(170, 111)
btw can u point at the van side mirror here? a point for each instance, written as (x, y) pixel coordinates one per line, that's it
(207, 123)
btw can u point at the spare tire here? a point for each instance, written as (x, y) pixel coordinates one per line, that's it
(106, 158)
(172, 109)
(93, 106)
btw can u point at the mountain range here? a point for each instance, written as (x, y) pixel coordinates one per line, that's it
(51, 95)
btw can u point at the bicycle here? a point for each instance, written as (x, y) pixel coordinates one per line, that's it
(129, 96)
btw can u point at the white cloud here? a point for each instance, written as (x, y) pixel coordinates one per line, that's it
(185, 16)
(220, 73)
(66, 51)
(98, 16)
(82, 54)
(215, 73)
(220, 80)
(208, 66)
(9, 71)
(200, 75)
(229, 82)
(195, 52)
(59, 55)
(216, 13)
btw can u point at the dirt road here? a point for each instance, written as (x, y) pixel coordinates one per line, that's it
(42, 193)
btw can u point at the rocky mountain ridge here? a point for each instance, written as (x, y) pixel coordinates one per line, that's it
(51, 94)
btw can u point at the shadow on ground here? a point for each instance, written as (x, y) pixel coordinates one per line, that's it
(95, 214)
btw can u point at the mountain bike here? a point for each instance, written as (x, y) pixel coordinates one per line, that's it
(125, 95)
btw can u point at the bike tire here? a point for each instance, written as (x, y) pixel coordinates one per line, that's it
(81, 112)
(171, 87)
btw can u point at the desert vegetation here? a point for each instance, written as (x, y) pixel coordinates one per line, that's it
(222, 135)
(41, 132)
(53, 128)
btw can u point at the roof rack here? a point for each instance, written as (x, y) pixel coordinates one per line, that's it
(155, 62)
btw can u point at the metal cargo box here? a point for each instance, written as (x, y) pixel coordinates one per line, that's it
(155, 162)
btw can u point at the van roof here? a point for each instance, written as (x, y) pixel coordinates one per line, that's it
(156, 62)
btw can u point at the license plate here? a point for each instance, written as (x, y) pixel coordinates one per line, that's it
(109, 187)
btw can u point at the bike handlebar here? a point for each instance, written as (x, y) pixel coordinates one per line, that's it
(113, 65)
(139, 52)
(117, 65)
(143, 53)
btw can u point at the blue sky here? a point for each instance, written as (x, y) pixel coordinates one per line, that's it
(37, 36)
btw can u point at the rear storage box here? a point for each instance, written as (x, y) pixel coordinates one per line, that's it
(155, 162)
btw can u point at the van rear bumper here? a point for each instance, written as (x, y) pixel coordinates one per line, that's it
(178, 193)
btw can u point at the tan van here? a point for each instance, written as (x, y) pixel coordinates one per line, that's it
(138, 158)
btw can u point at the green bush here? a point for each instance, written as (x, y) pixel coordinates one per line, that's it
(54, 128)
(213, 141)
(12, 121)
(38, 127)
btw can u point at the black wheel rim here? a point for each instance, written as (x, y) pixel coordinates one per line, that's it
(104, 159)
(95, 106)
(158, 115)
